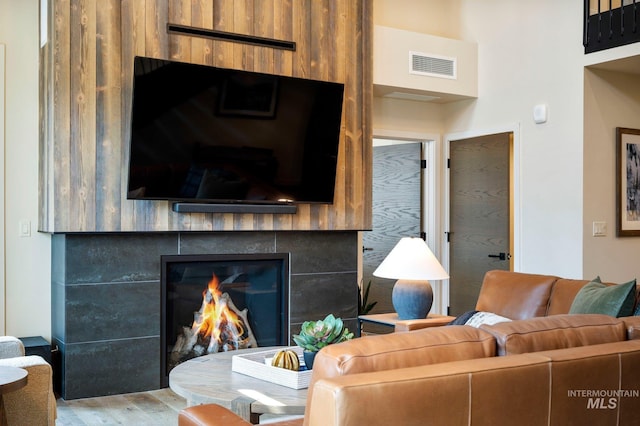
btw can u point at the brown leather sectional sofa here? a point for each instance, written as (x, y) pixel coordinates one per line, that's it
(546, 367)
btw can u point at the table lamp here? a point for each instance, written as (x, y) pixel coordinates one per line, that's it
(412, 264)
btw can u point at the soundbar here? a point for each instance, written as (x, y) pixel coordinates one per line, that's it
(234, 208)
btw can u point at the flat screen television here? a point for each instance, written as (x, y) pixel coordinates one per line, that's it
(212, 135)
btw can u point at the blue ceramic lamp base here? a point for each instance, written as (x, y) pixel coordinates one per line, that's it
(412, 299)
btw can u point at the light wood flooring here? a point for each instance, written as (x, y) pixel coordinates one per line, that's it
(154, 408)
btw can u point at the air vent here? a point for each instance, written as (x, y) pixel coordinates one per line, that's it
(432, 65)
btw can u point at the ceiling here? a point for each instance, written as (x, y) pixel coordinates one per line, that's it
(630, 65)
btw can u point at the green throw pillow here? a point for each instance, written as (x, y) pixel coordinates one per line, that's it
(597, 298)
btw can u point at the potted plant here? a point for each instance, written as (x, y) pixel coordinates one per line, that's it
(364, 307)
(315, 335)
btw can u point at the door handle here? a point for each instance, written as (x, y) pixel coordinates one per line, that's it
(501, 256)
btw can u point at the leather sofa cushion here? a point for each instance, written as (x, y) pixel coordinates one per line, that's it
(562, 295)
(479, 392)
(605, 367)
(555, 332)
(401, 350)
(515, 295)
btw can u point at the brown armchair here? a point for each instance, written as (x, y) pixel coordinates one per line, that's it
(34, 404)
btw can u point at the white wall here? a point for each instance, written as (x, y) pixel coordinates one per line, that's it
(532, 54)
(27, 304)
(528, 53)
(435, 17)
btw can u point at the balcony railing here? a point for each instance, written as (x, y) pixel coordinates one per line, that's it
(609, 23)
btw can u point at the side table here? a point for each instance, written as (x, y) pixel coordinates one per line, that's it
(209, 379)
(11, 379)
(392, 320)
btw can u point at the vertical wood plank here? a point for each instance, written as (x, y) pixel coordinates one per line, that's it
(337, 72)
(301, 67)
(201, 53)
(179, 45)
(156, 38)
(283, 30)
(321, 35)
(263, 62)
(362, 89)
(132, 44)
(224, 20)
(243, 58)
(283, 65)
(83, 117)
(108, 113)
(154, 215)
(363, 216)
(180, 49)
(202, 17)
(301, 11)
(62, 114)
(243, 24)
(45, 187)
(353, 117)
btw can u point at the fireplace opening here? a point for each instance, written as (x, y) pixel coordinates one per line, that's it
(214, 303)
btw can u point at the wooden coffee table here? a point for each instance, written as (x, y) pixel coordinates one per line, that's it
(209, 379)
(11, 379)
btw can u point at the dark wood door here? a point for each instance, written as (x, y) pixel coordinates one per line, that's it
(480, 219)
(396, 212)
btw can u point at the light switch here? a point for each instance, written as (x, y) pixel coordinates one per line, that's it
(25, 228)
(599, 229)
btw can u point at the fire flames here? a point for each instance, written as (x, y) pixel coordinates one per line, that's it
(217, 322)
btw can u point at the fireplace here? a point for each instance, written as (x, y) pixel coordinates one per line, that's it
(106, 296)
(221, 302)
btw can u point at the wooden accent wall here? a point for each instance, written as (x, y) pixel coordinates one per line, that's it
(86, 85)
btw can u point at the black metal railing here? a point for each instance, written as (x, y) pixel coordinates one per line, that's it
(609, 27)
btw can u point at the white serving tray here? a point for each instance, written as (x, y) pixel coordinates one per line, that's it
(254, 365)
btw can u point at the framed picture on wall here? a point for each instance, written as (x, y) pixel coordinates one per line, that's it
(627, 182)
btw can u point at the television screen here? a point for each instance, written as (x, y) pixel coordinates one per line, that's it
(208, 135)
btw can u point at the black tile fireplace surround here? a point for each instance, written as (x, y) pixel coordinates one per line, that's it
(106, 297)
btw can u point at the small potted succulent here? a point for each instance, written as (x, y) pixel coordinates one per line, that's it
(315, 335)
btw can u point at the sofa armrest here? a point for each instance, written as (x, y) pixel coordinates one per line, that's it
(209, 415)
(633, 327)
(10, 347)
(217, 415)
(34, 404)
(417, 324)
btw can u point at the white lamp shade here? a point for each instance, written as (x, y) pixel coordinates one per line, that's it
(411, 259)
